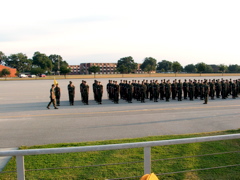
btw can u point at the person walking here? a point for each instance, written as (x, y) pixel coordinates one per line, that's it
(52, 97)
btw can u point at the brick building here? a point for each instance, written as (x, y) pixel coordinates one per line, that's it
(75, 69)
(13, 71)
(105, 68)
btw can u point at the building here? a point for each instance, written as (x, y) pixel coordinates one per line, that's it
(105, 68)
(13, 71)
(75, 69)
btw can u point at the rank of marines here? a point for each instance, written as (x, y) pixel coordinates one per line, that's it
(152, 90)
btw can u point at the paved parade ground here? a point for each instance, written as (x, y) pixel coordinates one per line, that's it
(25, 120)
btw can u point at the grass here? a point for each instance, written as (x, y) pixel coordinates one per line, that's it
(124, 76)
(135, 155)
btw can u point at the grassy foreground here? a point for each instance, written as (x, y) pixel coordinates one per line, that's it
(135, 155)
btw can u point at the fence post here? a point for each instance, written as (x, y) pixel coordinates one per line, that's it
(147, 160)
(20, 168)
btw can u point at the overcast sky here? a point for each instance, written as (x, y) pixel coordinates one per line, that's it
(187, 31)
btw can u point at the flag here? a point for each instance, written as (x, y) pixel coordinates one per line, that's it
(55, 81)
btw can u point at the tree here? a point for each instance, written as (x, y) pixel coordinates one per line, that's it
(19, 61)
(149, 64)
(57, 62)
(37, 70)
(65, 70)
(2, 57)
(223, 68)
(5, 73)
(94, 70)
(164, 64)
(208, 69)
(126, 65)
(190, 68)
(233, 68)
(176, 66)
(201, 67)
(41, 60)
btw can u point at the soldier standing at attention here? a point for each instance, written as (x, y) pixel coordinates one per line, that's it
(155, 91)
(167, 90)
(81, 90)
(52, 97)
(201, 89)
(212, 89)
(206, 92)
(116, 90)
(190, 90)
(143, 89)
(109, 89)
(147, 90)
(94, 86)
(58, 94)
(185, 89)
(150, 88)
(86, 93)
(223, 87)
(161, 90)
(71, 93)
(218, 88)
(233, 89)
(173, 89)
(129, 92)
(99, 92)
(196, 87)
(179, 90)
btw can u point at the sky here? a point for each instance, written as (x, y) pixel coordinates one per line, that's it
(81, 31)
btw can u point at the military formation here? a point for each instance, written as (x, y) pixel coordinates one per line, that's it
(175, 90)
(153, 90)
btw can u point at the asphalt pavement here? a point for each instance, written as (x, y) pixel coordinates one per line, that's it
(25, 120)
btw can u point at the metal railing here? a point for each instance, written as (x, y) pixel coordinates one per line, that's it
(146, 145)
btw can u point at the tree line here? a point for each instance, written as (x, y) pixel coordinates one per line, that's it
(40, 63)
(127, 65)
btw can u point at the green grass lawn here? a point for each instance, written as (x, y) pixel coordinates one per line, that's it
(131, 159)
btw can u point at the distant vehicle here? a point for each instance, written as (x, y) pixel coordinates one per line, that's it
(32, 75)
(42, 75)
(22, 75)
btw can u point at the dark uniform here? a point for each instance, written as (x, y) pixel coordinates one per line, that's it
(234, 89)
(58, 94)
(85, 92)
(143, 89)
(116, 91)
(94, 86)
(185, 89)
(161, 90)
(174, 90)
(129, 92)
(190, 90)
(217, 88)
(167, 90)
(99, 92)
(179, 90)
(71, 93)
(224, 89)
(155, 88)
(205, 92)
